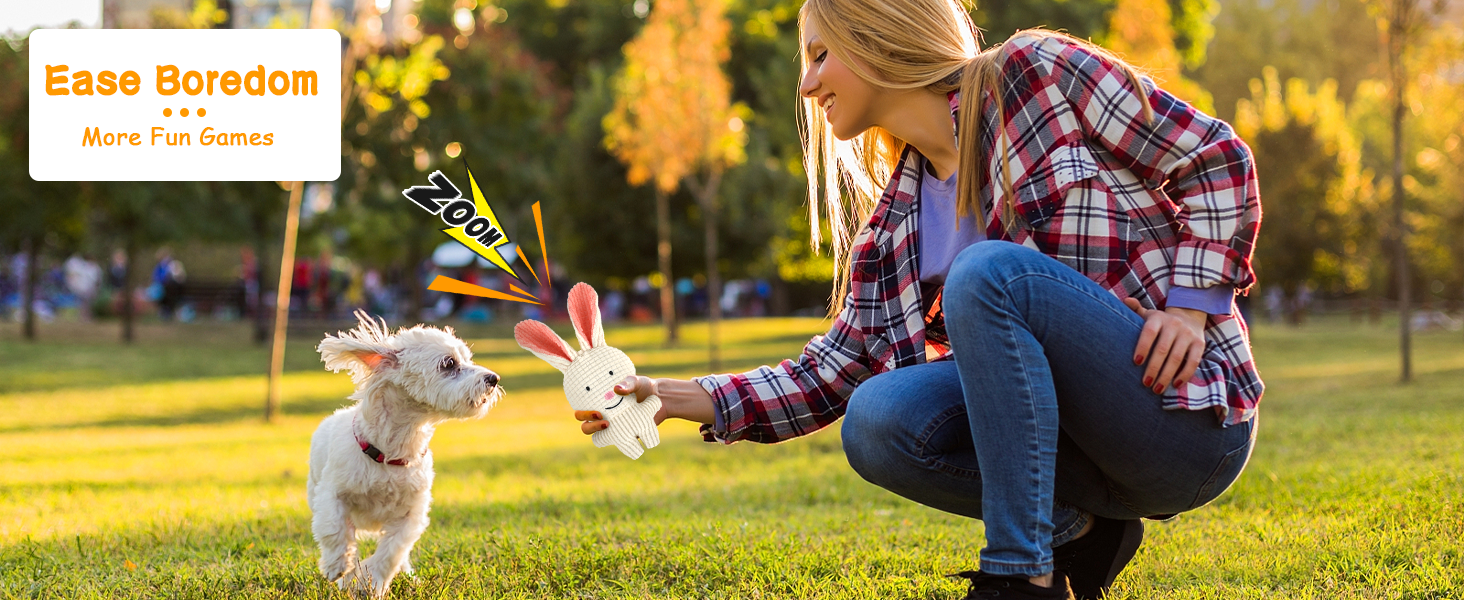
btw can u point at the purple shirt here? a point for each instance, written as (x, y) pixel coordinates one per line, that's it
(940, 242)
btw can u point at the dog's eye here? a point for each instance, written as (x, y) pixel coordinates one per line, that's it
(448, 364)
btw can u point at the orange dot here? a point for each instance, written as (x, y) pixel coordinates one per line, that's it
(167, 112)
(182, 112)
(202, 112)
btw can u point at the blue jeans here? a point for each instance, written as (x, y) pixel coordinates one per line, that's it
(1042, 420)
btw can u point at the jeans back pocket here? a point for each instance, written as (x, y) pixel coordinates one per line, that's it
(1229, 468)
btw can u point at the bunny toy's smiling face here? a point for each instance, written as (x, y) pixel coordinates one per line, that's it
(589, 384)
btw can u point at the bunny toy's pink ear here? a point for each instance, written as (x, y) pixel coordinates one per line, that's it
(537, 338)
(584, 312)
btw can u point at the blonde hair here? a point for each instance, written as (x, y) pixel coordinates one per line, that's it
(903, 45)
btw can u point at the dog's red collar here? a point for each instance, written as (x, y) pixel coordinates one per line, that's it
(375, 453)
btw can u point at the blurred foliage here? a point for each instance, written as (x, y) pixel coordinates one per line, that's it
(205, 14)
(386, 149)
(520, 91)
(1433, 159)
(1317, 197)
(1142, 32)
(1438, 162)
(1311, 40)
(672, 116)
(49, 213)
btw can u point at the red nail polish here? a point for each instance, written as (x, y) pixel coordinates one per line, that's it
(1178, 382)
(1138, 359)
(1158, 389)
(604, 426)
(1148, 381)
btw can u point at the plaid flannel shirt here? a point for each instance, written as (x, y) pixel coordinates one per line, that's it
(1137, 207)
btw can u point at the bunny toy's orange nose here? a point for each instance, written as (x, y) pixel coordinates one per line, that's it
(609, 394)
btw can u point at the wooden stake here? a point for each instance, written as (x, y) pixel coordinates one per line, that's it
(282, 303)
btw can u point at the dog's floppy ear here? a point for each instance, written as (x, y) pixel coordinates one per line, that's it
(537, 338)
(363, 350)
(584, 312)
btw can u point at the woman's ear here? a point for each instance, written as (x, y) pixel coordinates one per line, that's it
(584, 312)
(538, 339)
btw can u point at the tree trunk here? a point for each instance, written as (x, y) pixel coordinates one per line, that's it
(28, 296)
(319, 13)
(282, 304)
(128, 308)
(778, 304)
(261, 322)
(415, 256)
(663, 256)
(1397, 39)
(707, 197)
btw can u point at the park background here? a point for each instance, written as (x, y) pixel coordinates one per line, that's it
(135, 354)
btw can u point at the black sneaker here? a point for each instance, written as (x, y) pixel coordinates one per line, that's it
(1093, 561)
(985, 586)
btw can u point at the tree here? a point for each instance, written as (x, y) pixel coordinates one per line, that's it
(673, 121)
(1432, 157)
(489, 105)
(138, 215)
(760, 224)
(1142, 32)
(1430, 154)
(36, 212)
(1402, 22)
(1310, 40)
(1316, 191)
(386, 152)
(1436, 173)
(359, 40)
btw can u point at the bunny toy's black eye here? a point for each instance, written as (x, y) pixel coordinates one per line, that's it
(448, 364)
(612, 372)
(587, 388)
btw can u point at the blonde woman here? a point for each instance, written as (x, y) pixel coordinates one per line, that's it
(1037, 327)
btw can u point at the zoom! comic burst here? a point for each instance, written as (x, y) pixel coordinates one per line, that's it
(473, 224)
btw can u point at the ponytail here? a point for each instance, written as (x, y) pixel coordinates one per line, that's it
(981, 76)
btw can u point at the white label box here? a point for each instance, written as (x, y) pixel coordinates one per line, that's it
(185, 105)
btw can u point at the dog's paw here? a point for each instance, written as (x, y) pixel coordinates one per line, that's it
(360, 583)
(375, 578)
(337, 570)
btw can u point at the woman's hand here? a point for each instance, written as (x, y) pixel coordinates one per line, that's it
(1173, 341)
(642, 387)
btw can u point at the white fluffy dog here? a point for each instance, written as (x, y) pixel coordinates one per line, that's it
(370, 469)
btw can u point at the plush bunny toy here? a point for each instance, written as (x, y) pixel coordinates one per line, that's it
(590, 375)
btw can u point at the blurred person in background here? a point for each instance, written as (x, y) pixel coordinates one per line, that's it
(83, 278)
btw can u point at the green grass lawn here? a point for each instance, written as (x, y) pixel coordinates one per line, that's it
(146, 472)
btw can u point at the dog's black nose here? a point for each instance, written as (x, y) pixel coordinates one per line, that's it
(491, 379)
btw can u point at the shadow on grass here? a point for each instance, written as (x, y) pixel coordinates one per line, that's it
(123, 373)
(543, 545)
(55, 366)
(215, 415)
